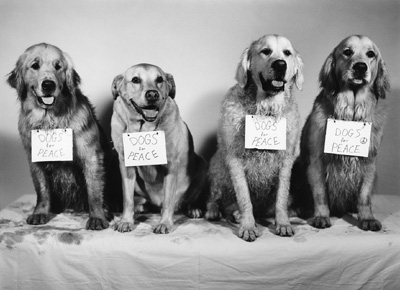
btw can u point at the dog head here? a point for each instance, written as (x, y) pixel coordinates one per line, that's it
(43, 74)
(354, 64)
(145, 88)
(272, 64)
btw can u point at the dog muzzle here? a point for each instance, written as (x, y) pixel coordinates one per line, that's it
(276, 85)
(47, 100)
(149, 113)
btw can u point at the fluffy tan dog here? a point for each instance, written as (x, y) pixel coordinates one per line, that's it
(49, 91)
(248, 182)
(144, 101)
(353, 81)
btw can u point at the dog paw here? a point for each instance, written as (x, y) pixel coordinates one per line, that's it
(123, 227)
(38, 219)
(321, 222)
(370, 225)
(162, 229)
(213, 213)
(284, 230)
(236, 216)
(194, 213)
(248, 234)
(96, 224)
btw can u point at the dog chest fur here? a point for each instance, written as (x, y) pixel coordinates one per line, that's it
(261, 167)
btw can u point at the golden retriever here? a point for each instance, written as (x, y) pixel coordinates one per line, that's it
(256, 182)
(144, 102)
(50, 96)
(353, 82)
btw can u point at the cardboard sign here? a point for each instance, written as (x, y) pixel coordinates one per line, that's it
(265, 133)
(51, 145)
(347, 138)
(144, 148)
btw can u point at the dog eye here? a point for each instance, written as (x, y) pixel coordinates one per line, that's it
(287, 52)
(371, 54)
(135, 80)
(35, 66)
(266, 51)
(347, 52)
(159, 80)
(57, 66)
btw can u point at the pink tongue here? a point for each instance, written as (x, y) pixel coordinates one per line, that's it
(277, 84)
(150, 113)
(48, 100)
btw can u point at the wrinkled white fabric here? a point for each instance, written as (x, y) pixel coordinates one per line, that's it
(197, 254)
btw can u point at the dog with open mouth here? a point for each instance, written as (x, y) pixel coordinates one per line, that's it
(248, 182)
(144, 102)
(353, 81)
(48, 89)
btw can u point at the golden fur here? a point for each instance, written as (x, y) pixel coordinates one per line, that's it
(256, 182)
(144, 101)
(48, 89)
(353, 81)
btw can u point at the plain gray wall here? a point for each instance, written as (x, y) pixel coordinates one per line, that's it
(200, 43)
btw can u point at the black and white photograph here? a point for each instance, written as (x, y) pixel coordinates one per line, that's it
(200, 144)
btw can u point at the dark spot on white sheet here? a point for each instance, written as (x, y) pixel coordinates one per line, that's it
(70, 238)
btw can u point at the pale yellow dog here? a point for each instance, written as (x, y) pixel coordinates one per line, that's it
(251, 183)
(144, 101)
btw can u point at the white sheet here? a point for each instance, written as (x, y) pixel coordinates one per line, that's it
(197, 254)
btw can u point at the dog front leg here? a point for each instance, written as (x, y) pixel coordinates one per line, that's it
(248, 229)
(316, 179)
(168, 207)
(367, 222)
(128, 174)
(283, 227)
(94, 174)
(41, 213)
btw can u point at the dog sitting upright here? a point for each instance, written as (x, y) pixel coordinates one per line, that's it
(254, 181)
(335, 180)
(144, 102)
(51, 99)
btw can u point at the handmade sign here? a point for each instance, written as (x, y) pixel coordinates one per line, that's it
(51, 145)
(144, 148)
(347, 138)
(264, 132)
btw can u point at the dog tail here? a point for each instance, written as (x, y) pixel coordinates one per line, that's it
(198, 191)
(301, 202)
(113, 198)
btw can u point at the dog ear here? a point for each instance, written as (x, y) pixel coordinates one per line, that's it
(299, 77)
(382, 83)
(73, 80)
(115, 86)
(243, 68)
(171, 85)
(327, 77)
(15, 77)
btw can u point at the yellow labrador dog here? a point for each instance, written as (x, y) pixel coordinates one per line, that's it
(253, 182)
(144, 101)
(353, 82)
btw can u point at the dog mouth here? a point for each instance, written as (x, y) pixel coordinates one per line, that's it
(46, 100)
(149, 112)
(272, 85)
(358, 81)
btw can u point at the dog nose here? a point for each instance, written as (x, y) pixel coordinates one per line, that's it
(360, 67)
(48, 86)
(279, 65)
(152, 95)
